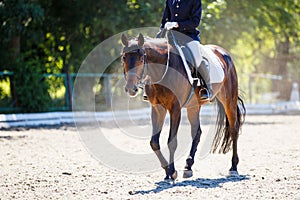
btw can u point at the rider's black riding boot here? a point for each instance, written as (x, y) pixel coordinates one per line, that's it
(203, 69)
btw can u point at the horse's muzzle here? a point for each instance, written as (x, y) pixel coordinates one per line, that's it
(131, 90)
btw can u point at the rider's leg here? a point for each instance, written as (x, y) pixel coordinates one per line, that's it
(203, 69)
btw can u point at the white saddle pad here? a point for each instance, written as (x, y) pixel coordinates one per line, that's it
(199, 51)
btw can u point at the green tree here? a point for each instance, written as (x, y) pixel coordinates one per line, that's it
(262, 36)
(20, 20)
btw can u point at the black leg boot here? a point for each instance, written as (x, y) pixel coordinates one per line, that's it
(203, 69)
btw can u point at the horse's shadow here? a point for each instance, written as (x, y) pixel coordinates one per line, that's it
(198, 183)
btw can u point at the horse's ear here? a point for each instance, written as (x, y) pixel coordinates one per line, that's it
(141, 40)
(124, 40)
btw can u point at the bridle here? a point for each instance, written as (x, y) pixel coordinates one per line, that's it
(140, 76)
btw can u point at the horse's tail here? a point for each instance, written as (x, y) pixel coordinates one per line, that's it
(223, 135)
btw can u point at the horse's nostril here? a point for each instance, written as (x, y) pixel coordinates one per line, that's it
(126, 90)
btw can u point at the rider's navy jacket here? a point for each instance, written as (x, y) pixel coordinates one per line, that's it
(187, 13)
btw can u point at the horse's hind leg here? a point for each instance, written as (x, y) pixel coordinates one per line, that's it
(158, 114)
(233, 123)
(193, 117)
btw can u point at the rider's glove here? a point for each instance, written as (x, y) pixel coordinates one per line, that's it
(171, 25)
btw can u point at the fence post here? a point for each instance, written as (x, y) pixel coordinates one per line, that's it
(107, 78)
(250, 87)
(69, 91)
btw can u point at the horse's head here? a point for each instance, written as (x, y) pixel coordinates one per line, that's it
(133, 58)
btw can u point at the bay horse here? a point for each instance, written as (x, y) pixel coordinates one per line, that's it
(157, 64)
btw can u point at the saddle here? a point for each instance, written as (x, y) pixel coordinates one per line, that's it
(195, 54)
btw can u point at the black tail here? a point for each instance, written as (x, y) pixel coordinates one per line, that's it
(223, 135)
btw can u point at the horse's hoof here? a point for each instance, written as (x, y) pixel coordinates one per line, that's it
(174, 175)
(168, 180)
(187, 173)
(233, 174)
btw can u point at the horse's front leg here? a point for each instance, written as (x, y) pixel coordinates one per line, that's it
(175, 115)
(193, 117)
(158, 114)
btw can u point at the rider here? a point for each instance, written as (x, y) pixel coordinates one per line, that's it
(184, 16)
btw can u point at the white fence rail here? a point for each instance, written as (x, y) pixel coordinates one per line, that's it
(60, 118)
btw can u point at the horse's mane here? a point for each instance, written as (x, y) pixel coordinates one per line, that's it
(158, 46)
(151, 42)
(157, 41)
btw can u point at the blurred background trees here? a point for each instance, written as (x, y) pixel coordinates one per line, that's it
(52, 36)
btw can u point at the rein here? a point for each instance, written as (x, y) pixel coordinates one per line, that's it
(141, 77)
(141, 83)
(167, 65)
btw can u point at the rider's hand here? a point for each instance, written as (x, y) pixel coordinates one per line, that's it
(171, 25)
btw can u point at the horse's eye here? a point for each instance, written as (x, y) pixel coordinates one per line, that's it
(123, 57)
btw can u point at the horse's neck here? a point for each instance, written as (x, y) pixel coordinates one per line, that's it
(157, 53)
(157, 56)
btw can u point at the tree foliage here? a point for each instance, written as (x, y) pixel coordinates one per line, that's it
(263, 37)
(31, 86)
